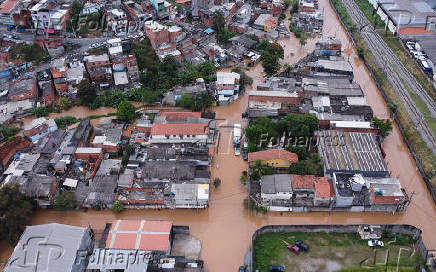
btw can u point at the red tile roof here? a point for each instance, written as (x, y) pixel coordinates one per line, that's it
(139, 234)
(323, 188)
(179, 115)
(179, 129)
(303, 181)
(7, 5)
(272, 154)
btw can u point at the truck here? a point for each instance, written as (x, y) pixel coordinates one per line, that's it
(237, 131)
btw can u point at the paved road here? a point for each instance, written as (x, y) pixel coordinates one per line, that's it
(399, 77)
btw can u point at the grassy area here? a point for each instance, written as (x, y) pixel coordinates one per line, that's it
(334, 252)
(408, 62)
(30, 53)
(367, 8)
(423, 152)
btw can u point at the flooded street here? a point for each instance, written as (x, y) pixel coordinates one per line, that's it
(226, 227)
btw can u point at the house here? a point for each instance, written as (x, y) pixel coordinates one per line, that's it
(108, 135)
(304, 187)
(7, 9)
(227, 87)
(99, 68)
(191, 195)
(266, 22)
(154, 236)
(38, 187)
(271, 103)
(351, 152)
(58, 68)
(324, 193)
(74, 75)
(179, 133)
(175, 117)
(39, 128)
(87, 153)
(23, 89)
(359, 193)
(101, 191)
(172, 97)
(8, 150)
(276, 158)
(117, 21)
(276, 191)
(71, 244)
(244, 41)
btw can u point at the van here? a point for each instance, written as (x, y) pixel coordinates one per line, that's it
(426, 66)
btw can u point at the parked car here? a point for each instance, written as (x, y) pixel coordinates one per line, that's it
(294, 249)
(276, 268)
(237, 150)
(375, 243)
(245, 156)
(241, 269)
(303, 246)
(410, 45)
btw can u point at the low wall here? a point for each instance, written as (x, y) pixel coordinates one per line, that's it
(401, 229)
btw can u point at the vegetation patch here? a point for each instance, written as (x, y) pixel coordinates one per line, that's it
(30, 53)
(334, 251)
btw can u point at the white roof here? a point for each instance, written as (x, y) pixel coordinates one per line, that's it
(99, 139)
(321, 101)
(272, 93)
(203, 191)
(70, 182)
(120, 78)
(114, 40)
(102, 57)
(226, 77)
(357, 101)
(350, 124)
(115, 50)
(88, 150)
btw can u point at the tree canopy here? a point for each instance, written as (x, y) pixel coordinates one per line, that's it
(87, 93)
(223, 34)
(196, 103)
(270, 54)
(64, 201)
(385, 126)
(125, 111)
(298, 125)
(260, 132)
(15, 211)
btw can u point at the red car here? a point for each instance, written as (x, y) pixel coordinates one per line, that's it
(294, 249)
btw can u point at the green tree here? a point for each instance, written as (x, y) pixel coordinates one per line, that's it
(125, 111)
(64, 121)
(65, 103)
(117, 207)
(310, 166)
(270, 54)
(258, 169)
(128, 150)
(260, 132)
(298, 125)
(207, 70)
(219, 25)
(8, 131)
(87, 93)
(64, 201)
(303, 39)
(301, 151)
(189, 16)
(244, 177)
(15, 212)
(186, 101)
(40, 111)
(216, 182)
(385, 126)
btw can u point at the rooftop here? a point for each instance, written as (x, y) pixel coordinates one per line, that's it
(179, 129)
(272, 184)
(352, 152)
(272, 154)
(65, 239)
(140, 235)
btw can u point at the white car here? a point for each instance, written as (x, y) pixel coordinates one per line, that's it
(375, 243)
(237, 151)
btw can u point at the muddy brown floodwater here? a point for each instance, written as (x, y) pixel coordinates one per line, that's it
(226, 227)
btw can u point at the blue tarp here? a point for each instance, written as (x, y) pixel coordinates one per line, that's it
(5, 73)
(209, 31)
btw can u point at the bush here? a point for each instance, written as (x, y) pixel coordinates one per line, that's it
(117, 206)
(385, 126)
(216, 182)
(64, 201)
(361, 51)
(125, 111)
(8, 131)
(40, 111)
(65, 121)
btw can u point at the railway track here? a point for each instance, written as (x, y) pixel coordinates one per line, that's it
(395, 71)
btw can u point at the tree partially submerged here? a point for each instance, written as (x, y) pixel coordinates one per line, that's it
(125, 111)
(15, 212)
